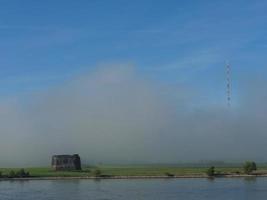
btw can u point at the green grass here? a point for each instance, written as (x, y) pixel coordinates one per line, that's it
(149, 170)
(48, 172)
(127, 171)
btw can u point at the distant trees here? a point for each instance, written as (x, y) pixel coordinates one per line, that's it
(211, 171)
(18, 174)
(249, 166)
(21, 173)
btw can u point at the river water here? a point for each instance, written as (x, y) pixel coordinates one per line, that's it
(131, 189)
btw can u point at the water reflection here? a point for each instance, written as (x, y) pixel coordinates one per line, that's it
(251, 179)
(149, 189)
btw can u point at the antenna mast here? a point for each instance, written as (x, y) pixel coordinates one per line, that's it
(228, 84)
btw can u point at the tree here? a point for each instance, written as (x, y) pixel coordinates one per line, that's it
(254, 166)
(97, 172)
(22, 173)
(211, 171)
(249, 167)
(11, 174)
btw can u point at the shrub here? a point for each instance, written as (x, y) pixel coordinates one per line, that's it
(18, 174)
(21, 173)
(11, 174)
(211, 171)
(27, 174)
(169, 174)
(97, 173)
(1, 174)
(249, 167)
(254, 166)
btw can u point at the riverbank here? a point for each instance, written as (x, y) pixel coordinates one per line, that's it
(129, 172)
(131, 177)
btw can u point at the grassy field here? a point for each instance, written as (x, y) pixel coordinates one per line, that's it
(128, 171)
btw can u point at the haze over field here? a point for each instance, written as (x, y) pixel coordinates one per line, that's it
(115, 114)
(132, 81)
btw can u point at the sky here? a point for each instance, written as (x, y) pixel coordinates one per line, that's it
(131, 71)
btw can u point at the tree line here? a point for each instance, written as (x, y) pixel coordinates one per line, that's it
(248, 168)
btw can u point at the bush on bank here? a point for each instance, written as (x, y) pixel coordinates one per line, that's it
(16, 174)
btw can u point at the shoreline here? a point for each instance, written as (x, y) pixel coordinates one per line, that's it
(133, 177)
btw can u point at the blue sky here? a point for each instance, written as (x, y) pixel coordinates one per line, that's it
(44, 43)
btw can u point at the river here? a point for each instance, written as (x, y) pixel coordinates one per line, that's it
(132, 189)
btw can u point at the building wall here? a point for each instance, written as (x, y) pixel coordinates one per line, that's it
(66, 162)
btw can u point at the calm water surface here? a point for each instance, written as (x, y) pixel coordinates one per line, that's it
(188, 189)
